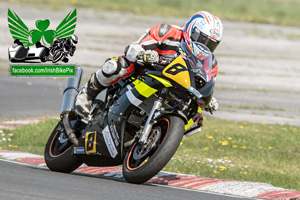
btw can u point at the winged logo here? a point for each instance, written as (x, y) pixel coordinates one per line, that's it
(28, 37)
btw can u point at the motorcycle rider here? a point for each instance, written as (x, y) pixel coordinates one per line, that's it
(63, 44)
(158, 44)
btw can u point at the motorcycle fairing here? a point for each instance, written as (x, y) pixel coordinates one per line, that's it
(90, 142)
(193, 119)
(104, 141)
(178, 72)
(136, 93)
(93, 141)
(133, 95)
(165, 82)
(144, 89)
(111, 140)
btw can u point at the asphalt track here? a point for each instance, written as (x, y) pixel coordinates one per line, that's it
(35, 183)
(29, 97)
(203, 185)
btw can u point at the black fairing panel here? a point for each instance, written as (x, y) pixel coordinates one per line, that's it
(207, 91)
(123, 106)
(102, 156)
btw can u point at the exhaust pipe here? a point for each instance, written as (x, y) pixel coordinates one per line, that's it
(70, 93)
(70, 132)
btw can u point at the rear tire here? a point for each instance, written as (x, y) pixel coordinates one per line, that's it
(59, 152)
(136, 170)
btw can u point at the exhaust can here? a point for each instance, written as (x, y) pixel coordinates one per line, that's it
(71, 91)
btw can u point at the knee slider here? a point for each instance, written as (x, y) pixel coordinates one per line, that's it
(113, 66)
(110, 68)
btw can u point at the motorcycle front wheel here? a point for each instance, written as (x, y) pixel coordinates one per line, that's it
(57, 56)
(59, 152)
(141, 163)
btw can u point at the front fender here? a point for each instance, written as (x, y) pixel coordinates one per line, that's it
(174, 113)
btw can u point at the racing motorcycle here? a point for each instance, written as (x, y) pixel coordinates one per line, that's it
(19, 53)
(139, 124)
(60, 50)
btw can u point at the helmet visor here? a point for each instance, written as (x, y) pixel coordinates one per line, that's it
(198, 36)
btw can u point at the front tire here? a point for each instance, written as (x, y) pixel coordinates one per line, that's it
(59, 152)
(57, 56)
(138, 166)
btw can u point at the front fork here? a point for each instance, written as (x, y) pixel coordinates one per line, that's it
(149, 122)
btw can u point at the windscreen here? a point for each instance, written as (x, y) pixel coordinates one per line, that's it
(201, 63)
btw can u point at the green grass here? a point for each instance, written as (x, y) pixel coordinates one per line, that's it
(254, 90)
(263, 11)
(29, 138)
(242, 151)
(224, 149)
(247, 107)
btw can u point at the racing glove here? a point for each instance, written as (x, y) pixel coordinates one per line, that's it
(212, 106)
(147, 57)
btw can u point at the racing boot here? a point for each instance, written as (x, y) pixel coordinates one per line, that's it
(87, 95)
(112, 70)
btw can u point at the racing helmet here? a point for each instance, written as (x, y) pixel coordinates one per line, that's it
(74, 39)
(205, 28)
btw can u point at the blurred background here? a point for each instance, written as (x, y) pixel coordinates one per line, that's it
(259, 70)
(258, 85)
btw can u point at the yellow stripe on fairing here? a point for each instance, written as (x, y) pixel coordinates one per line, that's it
(199, 110)
(136, 82)
(165, 82)
(189, 124)
(145, 89)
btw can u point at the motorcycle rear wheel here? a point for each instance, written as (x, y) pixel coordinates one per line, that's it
(59, 152)
(139, 166)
